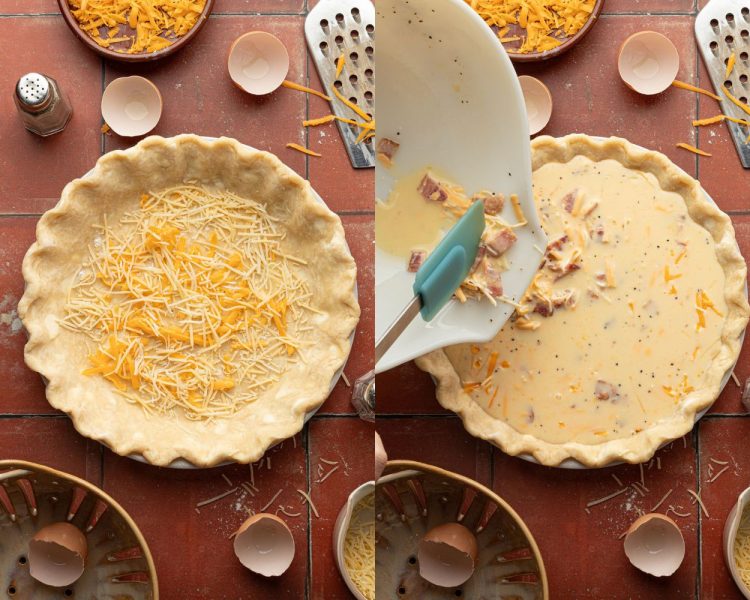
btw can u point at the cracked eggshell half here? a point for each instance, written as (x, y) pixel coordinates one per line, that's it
(264, 544)
(131, 106)
(380, 456)
(648, 62)
(57, 554)
(258, 62)
(654, 544)
(447, 555)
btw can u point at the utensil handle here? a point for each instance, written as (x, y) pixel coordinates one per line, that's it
(397, 327)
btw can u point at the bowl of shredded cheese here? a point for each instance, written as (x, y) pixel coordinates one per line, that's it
(533, 30)
(354, 542)
(737, 543)
(131, 31)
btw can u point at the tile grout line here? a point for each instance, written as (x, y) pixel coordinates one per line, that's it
(308, 578)
(699, 567)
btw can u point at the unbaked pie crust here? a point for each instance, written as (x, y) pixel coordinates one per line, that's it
(113, 187)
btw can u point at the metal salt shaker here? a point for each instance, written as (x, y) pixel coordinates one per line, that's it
(42, 105)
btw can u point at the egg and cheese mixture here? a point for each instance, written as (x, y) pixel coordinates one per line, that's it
(189, 303)
(622, 318)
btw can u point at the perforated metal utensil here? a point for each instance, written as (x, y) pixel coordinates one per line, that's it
(721, 28)
(346, 27)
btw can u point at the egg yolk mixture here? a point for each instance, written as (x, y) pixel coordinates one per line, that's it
(623, 316)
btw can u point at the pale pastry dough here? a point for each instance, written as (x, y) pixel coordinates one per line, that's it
(642, 329)
(114, 187)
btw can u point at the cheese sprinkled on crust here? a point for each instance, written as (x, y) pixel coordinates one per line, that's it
(191, 304)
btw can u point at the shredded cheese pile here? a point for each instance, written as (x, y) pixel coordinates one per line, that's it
(742, 548)
(155, 24)
(191, 303)
(546, 22)
(359, 547)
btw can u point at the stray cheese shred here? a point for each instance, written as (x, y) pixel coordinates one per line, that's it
(730, 65)
(692, 149)
(190, 304)
(302, 149)
(546, 23)
(691, 88)
(147, 25)
(359, 547)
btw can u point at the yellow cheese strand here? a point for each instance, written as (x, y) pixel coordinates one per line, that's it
(692, 149)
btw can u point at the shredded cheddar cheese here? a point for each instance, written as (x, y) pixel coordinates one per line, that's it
(340, 65)
(546, 23)
(147, 25)
(691, 88)
(302, 149)
(693, 149)
(730, 65)
(301, 88)
(190, 303)
(735, 101)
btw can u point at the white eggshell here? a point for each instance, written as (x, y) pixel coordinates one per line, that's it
(131, 106)
(57, 554)
(447, 555)
(380, 456)
(264, 544)
(538, 102)
(258, 62)
(654, 544)
(648, 62)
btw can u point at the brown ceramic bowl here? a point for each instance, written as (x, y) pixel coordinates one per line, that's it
(567, 44)
(140, 57)
(411, 498)
(32, 496)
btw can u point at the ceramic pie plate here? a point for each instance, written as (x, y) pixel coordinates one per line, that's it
(119, 563)
(183, 463)
(572, 463)
(509, 564)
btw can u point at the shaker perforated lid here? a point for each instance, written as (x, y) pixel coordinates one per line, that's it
(33, 89)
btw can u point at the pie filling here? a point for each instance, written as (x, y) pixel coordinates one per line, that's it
(190, 303)
(621, 321)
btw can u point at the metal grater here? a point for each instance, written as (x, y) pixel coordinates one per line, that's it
(334, 27)
(721, 28)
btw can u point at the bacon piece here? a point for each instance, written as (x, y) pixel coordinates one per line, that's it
(492, 281)
(386, 149)
(603, 390)
(415, 260)
(481, 251)
(431, 189)
(565, 299)
(558, 243)
(544, 308)
(569, 201)
(567, 270)
(493, 203)
(501, 242)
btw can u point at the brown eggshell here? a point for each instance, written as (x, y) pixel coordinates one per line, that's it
(654, 544)
(648, 62)
(258, 62)
(380, 456)
(447, 555)
(131, 106)
(264, 544)
(538, 100)
(57, 554)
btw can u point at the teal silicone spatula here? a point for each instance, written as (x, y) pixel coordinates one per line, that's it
(440, 275)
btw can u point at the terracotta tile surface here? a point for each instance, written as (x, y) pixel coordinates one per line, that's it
(722, 440)
(187, 545)
(360, 236)
(722, 174)
(199, 97)
(65, 155)
(259, 6)
(439, 441)
(52, 442)
(407, 390)
(26, 395)
(591, 98)
(541, 495)
(349, 443)
(649, 6)
(30, 7)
